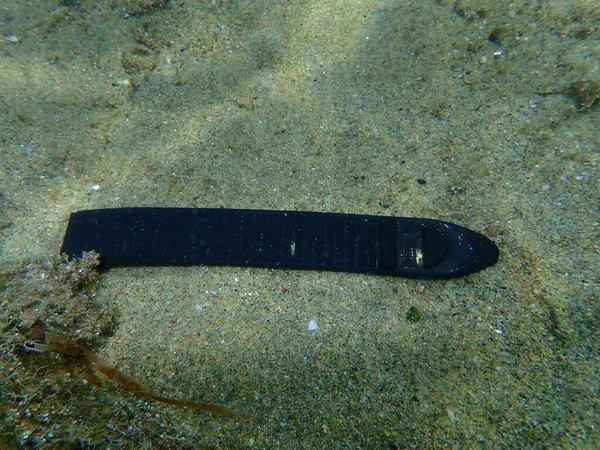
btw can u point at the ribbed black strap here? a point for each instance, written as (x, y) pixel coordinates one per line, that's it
(395, 246)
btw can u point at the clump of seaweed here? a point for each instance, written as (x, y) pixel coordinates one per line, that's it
(43, 304)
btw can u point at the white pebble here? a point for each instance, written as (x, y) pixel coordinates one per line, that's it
(452, 416)
(11, 37)
(312, 325)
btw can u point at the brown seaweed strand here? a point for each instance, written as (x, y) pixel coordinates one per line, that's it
(197, 405)
(89, 372)
(71, 348)
(91, 361)
(115, 374)
(64, 345)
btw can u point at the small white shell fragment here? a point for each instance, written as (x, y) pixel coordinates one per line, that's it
(11, 37)
(452, 416)
(312, 325)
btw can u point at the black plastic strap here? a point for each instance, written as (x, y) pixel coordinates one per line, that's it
(396, 246)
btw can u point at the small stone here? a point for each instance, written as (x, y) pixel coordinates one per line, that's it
(452, 416)
(10, 37)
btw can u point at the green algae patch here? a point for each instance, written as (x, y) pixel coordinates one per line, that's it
(413, 315)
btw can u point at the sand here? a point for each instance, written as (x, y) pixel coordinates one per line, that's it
(480, 113)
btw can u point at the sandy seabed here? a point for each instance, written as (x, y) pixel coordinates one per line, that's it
(480, 113)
